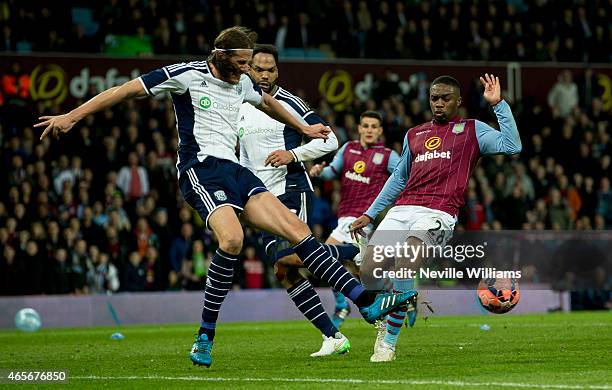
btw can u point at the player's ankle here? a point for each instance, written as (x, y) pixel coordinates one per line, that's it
(366, 298)
(210, 333)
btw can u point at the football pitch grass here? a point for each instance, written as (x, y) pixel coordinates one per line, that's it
(563, 351)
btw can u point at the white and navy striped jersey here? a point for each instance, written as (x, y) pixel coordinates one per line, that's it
(260, 135)
(206, 109)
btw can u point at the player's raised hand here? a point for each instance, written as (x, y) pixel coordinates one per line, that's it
(357, 226)
(55, 124)
(316, 131)
(492, 89)
(316, 169)
(279, 158)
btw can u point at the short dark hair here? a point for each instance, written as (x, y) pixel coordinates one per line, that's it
(266, 49)
(371, 114)
(447, 80)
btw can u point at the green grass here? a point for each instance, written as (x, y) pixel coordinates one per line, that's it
(563, 350)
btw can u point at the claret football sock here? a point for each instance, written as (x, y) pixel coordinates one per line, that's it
(396, 319)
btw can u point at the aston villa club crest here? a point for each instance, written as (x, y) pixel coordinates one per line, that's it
(378, 158)
(458, 128)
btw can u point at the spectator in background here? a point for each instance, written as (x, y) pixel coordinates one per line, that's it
(563, 97)
(321, 212)
(604, 202)
(253, 269)
(132, 179)
(135, 274)
(104, 276)
(144, 237)
(558, 213)
(179, 246)
(35, 269)
(91, 232)
(195, 266)
(153, 279)
(12, 273)
(475, 211)
(280, 40)
(61, 274)
(81, 266)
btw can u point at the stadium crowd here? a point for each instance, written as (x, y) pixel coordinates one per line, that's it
(100, 210)
(522, 30)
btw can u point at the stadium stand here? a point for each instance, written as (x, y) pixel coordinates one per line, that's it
(100, 211)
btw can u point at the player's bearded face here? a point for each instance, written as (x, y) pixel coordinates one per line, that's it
(232, 65)
(444, 101)
(264, 71)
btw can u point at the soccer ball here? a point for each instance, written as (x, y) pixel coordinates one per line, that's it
(27, 320)
(498, 295)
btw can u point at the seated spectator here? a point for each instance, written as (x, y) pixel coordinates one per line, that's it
(135, 277)
(153, 281)
(61, 273)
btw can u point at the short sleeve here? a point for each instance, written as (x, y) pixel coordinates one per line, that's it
(251, 91)
(173, 79)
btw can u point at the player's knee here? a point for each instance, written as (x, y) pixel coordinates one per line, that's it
(231, 243)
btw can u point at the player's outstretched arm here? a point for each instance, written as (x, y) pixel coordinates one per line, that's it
(63, 123)
(491, 141)
(274, 109)
(333, 170)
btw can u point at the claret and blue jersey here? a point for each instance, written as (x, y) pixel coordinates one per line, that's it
(363, 172)
(438, 159)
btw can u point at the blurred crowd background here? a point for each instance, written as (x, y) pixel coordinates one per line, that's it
(100, 210)
(517, 30)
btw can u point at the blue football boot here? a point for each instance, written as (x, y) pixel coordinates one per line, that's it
(342, 310)
(340, 315)
(385, 303)
(200, 351)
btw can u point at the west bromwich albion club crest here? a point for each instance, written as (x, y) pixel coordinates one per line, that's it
(378, 158)
(220, 195)
(458, 128)
(239, 88)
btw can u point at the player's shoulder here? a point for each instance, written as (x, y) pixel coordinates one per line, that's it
(380, 147)
(182, 67)
(418, 128)
(294, 101)
(351, 145)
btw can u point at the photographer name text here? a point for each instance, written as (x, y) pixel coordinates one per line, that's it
(446, 273)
